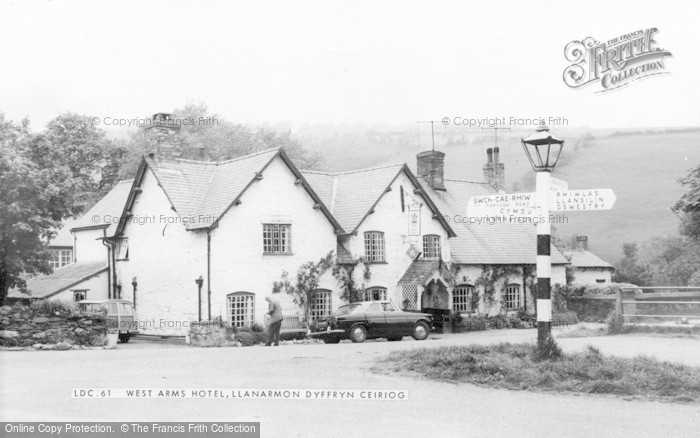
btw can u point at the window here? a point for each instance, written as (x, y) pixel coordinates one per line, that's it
(388, 307)
(277, 239)
(374, 294)
(513, 296)
(60, 257)
(600, 280)
(431, 246)
(241, 309)
(374, 308)
(462, 298)
(79, 295)
(122, 249)
(321, 307)
(374, 246)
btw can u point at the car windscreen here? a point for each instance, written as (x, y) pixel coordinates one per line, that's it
(90, 307)
(344, 310)
(126, 309)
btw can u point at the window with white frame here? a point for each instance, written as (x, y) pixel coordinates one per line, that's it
(79, 295)
(277, 238)
(321, 306)
(241, 309)
(513, 296)
(375, 293)
(60, 257)
(374, 246)
(122, 249)
(462, 298)
(431, 246)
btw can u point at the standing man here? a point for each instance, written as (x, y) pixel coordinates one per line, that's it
(274, 321)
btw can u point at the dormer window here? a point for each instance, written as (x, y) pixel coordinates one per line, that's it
(431, 246)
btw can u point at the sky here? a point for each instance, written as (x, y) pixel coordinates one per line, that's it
(337, 62)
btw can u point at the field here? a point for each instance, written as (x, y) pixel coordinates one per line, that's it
(642, 169)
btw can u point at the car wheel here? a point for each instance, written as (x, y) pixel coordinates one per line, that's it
(124, 338)
(421, 331)
(358, 333)
(394, 338)
(333, 340)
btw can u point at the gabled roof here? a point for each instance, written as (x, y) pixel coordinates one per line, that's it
(44, 286)
(106, 213)
(586, 259)
(495, 244)
(201, 192)
(352, 195)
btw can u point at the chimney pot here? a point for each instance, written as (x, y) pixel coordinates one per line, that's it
(489, 155)
(496, 152)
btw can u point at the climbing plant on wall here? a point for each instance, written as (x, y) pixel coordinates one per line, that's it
(350, 290)
(493, 280)
(303, 287)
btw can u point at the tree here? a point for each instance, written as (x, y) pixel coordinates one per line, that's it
(74, 142)
(35, 196)
(688, 207)
(671, 261)
(629, 269)
(199, 129)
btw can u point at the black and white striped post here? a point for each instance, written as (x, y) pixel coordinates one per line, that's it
(543, 151)
(544, 259)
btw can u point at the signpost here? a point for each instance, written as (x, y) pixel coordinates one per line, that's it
(582, 200)
(557, 185)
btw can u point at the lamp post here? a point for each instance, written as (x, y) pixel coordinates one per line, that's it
(134, 284)
(199, 282)
(543, 150)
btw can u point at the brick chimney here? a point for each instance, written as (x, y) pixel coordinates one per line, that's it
(494, 170)
(582, 243)
(431, 167)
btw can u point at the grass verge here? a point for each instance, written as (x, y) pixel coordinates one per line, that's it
(514, 366)
(586, 330)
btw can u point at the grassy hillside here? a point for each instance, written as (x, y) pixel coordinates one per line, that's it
(642, 169)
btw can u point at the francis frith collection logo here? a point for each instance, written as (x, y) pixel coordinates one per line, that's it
(614, 63)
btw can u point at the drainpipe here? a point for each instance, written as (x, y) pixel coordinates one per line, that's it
(209, 273)
(111, 275)
(524, 289)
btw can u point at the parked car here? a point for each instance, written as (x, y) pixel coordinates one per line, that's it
(119, 313)
(369, 320)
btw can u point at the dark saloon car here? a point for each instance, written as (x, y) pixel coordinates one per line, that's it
(369, 320)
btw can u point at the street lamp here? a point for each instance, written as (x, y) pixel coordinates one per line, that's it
(543, 150)
(199, 282)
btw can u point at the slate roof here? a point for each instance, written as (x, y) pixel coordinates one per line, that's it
(201, 192)
(108, 210)
(419, 271)
(350, 195)
(498, 244)
(343, 255)
(586, 259)
(43, 286)
(63, 235)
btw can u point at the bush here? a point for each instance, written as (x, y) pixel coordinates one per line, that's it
(616, 323)
(249, 338)
(548, 351)
(257, 328)
(565, 318)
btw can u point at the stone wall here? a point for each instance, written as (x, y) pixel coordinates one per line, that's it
(50, 327)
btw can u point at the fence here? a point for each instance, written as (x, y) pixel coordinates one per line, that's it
(658, 304)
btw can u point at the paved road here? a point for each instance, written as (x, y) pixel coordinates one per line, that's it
(36, 386)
